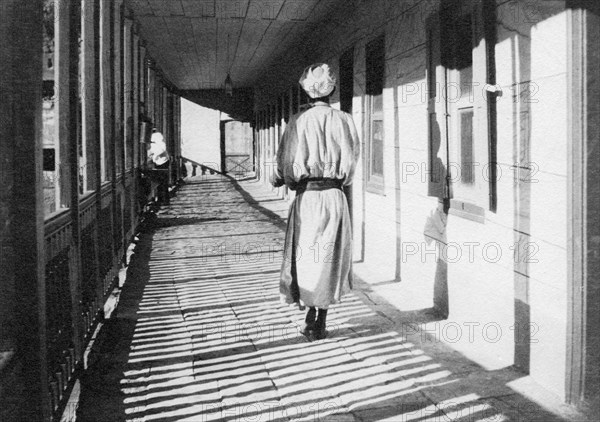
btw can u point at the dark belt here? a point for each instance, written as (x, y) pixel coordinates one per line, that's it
(318, 184)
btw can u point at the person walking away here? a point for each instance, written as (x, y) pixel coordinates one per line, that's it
(317, 157)
(160, 157)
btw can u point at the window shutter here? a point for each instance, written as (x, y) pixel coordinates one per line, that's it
(483, 98)
(436, 113)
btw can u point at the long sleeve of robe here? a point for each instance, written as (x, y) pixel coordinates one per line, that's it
(317, 268)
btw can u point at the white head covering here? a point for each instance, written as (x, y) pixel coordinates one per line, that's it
(157, 137)
(158, 149)
(317, 80)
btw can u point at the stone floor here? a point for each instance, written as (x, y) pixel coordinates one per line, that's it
(199, 334)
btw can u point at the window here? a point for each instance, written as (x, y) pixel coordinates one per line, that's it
(117, 81)
(347, 80)
(274, 129)
(295, 99)
(89, 95)
(127, 58)
(304, 100)
(375, 56)
(267, 140)
(103, 54)
(286, 107)
(49, 115)
(81, 147)
(458, 60)
(460, 52)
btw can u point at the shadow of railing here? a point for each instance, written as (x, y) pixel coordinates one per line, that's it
(200, 334)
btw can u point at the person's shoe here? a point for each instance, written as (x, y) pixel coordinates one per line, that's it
(309, 322)
(320, 334)
(307, 329)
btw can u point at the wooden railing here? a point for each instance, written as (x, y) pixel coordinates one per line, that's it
(203, 167)
(60, 351)
(79, 276)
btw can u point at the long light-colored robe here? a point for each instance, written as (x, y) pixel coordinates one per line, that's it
(321, 142)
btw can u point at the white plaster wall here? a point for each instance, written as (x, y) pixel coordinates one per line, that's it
(200, 134)
(496, 285)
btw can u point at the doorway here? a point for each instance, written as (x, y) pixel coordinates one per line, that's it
(237, 149)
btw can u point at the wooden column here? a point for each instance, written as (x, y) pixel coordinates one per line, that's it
(164, 113)
(177, 133)
(64, 85)
(285, 107)
(22, 196)
(158, 105)
(223, 145)
(106, 88)
(179, 146)
(135, 122)
(150, 92)
(261, 143)
(136, 100)
(118, 84)
(583, 195)
(166, 128)
(67, 18)
(118, 119)
(89, 97)
(291, 103)
(128, 92)
(150, 103)
(272, 134)
(143, 80)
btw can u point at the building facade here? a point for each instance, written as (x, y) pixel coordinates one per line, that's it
(476, 150)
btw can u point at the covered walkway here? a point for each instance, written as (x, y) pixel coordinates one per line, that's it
(199, 334)
(475, 204)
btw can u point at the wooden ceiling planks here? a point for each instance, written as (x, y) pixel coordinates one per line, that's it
(193, 74)
(264, 9)
(178, 39)
(166, 7)
(204, 39)
(199, 8)
(272, 46)
(196, 42)
(141, 7)
(231, 9)
(228, 32)
(297, 10)
(252, 35)
(153, 30)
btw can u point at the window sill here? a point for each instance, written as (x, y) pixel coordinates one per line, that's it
(56, 215)
(86, 197)
(467, 211)
(375, 188)
(375, 191)
(106, 186)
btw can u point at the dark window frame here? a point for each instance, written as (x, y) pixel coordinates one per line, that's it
(482, 21)
(347, 80)
(375, 80)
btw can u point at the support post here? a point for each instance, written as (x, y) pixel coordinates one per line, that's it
(22, 197)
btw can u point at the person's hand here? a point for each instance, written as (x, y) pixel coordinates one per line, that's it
(277, 182)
